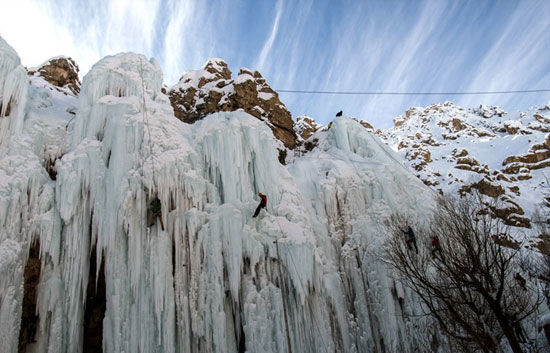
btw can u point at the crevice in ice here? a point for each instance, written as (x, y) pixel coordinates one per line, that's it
(108, 160)
(246, 265)
(335, 329)
(242, 339)
(154, 212)
(95, 306)
(172, 205)
(49, 165)
(29, 317)
(5, 112)
(174, 262)
(382, 345)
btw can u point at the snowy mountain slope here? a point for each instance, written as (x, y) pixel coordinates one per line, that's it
(209, 278)
(453, 149)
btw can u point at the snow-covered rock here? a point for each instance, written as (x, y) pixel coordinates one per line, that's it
(306, 126)
(203, 275)
(453, 149)
(211, 89)
(61, 72)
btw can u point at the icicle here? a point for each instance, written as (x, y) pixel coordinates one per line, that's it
(207, 275)
(13, 93)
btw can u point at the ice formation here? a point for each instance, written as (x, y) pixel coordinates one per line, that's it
(306, 273)
(13, 92)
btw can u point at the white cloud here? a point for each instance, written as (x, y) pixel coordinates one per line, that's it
(33, 35)
(363, 46)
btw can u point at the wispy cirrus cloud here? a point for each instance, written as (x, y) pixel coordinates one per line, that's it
(313, 45)
(269, 42)
(514, 60)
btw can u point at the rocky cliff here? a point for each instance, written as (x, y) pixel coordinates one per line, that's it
(457, 150)
(61, 72)
(306, 126)
(202, 92)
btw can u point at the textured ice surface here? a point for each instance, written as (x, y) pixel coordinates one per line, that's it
(13, 93)
(216, 279)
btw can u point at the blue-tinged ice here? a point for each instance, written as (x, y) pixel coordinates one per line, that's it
(215, 279)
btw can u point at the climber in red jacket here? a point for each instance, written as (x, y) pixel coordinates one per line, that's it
(262, 204)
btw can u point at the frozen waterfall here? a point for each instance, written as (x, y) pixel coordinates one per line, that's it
(306, 273)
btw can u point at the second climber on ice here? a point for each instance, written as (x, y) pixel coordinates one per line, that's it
(263, 203)
(411, 238)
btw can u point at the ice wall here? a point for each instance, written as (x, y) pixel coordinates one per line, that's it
(26, 196)
(215, 279)
(13, 93)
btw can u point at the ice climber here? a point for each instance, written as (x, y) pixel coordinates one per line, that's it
(436, 245)
(339, 113)
(263, 203)
(522, 282)
(411, 238)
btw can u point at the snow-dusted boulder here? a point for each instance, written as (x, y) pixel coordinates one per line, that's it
(61, 72)
(211, 89)
(306, 126)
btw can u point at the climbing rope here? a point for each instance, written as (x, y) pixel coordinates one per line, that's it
(70, 120)
(367, 299)
(283, 298)
(360, 266)
(155, 205)
(146, 119)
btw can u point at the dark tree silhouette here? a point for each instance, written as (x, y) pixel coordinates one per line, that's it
(472, 285)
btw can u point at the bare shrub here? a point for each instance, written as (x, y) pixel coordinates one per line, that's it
(471, 283)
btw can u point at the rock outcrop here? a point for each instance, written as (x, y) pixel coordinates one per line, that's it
(202, 92)
(305, 126)
(61, 72)
(454, 149)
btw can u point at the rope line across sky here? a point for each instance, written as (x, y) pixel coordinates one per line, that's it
(413, 93)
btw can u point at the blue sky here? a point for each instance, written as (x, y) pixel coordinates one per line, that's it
(311, 45)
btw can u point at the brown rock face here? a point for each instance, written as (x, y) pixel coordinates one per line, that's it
(458, 125)
(366, 125)
(60, 72)
(419, 133)
(419, 157)
(218, 68)
(7, 111)
(211, 90)
(486, 188)
(528, 158)
(306, 126)
(541, 118)
(538, 157)
(508, 210)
